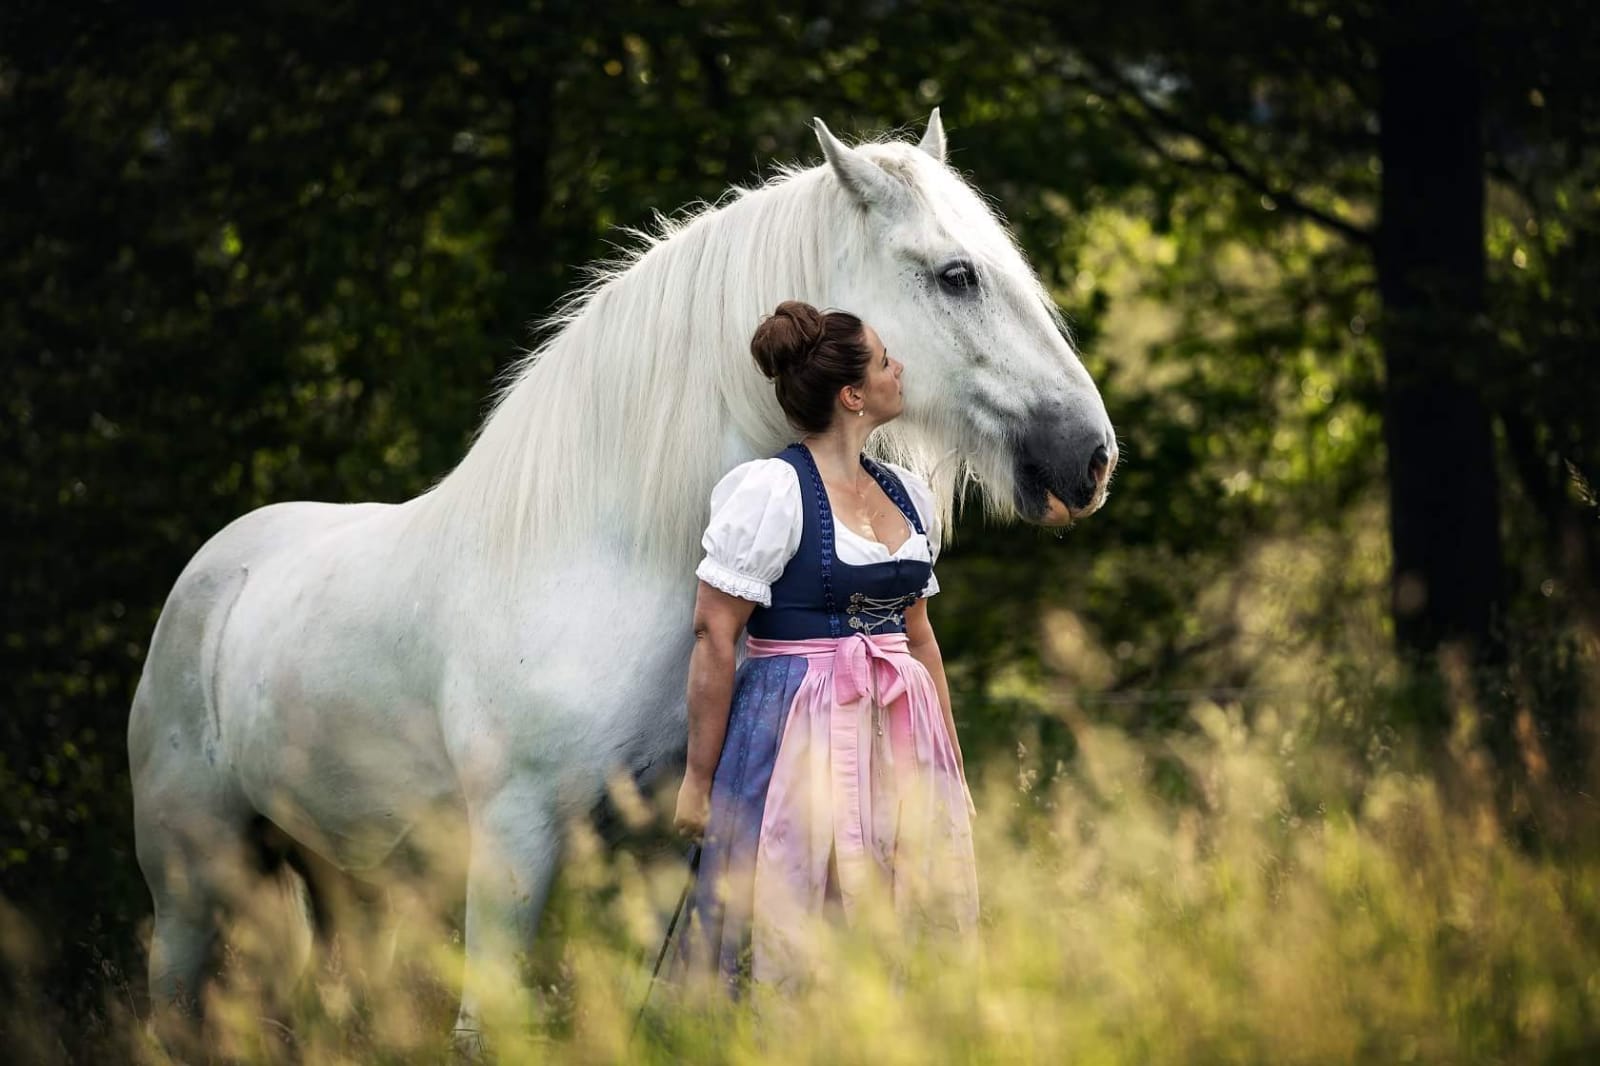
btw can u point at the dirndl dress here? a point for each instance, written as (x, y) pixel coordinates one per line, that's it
(838, 781)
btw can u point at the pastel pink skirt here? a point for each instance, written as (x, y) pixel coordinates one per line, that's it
(838, 789)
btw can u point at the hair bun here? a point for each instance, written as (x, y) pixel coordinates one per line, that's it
(787, 338)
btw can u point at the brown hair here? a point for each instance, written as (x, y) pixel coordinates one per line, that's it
(810, 355)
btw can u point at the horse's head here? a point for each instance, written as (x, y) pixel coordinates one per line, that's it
(989, 373)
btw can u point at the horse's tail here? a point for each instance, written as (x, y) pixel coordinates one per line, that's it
(178, 686)
(176, 699)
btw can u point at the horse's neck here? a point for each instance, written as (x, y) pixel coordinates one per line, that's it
(618, 428)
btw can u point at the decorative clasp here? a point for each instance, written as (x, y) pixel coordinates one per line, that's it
(869, 614)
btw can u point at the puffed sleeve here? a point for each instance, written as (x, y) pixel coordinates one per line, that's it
(928, 510)
(754, 529)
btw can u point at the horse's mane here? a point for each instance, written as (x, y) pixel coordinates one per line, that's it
(617, 425)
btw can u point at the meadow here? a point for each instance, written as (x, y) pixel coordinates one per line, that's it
(1256, 889)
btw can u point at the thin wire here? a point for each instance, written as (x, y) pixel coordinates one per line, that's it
(672, 926)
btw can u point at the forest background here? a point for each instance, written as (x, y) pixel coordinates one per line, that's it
(1334, 266)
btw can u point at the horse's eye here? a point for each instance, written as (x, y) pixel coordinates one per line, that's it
(958, 278)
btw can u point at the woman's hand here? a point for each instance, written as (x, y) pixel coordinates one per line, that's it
(694, 806)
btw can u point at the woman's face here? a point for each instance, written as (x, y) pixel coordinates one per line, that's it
(880, 389)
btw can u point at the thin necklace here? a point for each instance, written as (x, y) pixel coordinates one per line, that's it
(861, 521)
(863, 514)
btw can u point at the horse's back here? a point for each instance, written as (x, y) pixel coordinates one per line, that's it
(279, 527)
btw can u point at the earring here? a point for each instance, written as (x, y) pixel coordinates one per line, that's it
(861, 412)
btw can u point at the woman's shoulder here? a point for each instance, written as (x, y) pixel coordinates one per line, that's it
(756, 478)
(759, 487)
(754, 529)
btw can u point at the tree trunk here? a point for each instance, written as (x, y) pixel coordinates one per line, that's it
(1448, 581)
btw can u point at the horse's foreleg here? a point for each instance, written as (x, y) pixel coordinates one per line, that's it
(516, 844)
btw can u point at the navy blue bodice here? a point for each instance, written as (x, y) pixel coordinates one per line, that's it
(819, 596)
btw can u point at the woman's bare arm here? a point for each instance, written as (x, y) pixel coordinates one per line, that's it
(718, 620)
(924, 647)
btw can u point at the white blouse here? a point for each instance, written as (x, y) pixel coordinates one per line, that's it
(756, 520)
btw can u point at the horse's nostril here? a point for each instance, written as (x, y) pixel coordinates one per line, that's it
(1099, 463)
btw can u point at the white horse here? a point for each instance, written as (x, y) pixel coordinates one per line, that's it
(501, 644)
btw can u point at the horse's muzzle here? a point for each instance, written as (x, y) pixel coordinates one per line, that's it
(1062, 476)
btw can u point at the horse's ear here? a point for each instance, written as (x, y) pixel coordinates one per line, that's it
(860, 176)
(933, 137)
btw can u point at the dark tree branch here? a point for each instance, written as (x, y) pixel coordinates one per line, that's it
(1172, 658)
(1220, 158)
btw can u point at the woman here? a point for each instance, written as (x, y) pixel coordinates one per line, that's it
(826, 776)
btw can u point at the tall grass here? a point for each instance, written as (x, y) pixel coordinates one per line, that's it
(1290, 903)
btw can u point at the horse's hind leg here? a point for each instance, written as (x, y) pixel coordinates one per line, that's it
(195, 865)
(191, 821)
(187, 927)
